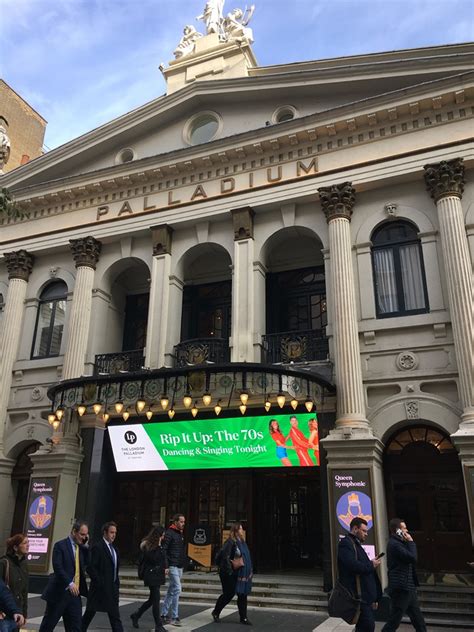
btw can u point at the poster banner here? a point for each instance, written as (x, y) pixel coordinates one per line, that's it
(200, 546)
(235, 442)
(39, 521)
(351, 497)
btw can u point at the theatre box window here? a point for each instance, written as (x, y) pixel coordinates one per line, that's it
(50, 321)
(202, 128)
(399, 275)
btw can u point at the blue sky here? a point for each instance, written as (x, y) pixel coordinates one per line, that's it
(80, 63)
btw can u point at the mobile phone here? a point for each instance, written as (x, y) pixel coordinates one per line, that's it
(85, 539)
(399, 532)
(380, 555)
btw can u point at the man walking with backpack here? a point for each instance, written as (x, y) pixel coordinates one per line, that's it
(175, 559)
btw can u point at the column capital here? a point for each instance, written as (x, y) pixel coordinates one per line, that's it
(86, 251)
(242, 219)
(19, 264)
(162, 239)
(337, 200)
(445, 178)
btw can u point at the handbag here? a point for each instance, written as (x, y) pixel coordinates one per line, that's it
(342, 603)
(237, 563)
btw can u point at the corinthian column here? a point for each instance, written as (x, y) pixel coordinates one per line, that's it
(86, 252)
(337, 202)
(445, 183)
(19, 266)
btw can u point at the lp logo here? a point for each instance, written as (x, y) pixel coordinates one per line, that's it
(130, 437)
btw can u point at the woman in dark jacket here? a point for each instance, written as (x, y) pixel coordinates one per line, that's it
(235, 571)
(152, 570)
(14, 570)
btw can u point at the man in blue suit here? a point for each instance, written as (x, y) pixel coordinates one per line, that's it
(352, 561)
(9, 606)
(68, 582)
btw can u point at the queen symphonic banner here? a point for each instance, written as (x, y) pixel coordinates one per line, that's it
(260, 441)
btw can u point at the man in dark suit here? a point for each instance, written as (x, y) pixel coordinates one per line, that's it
(14, 618)
(103, 569)
(402, 578)
(353, 563)
(68, 582)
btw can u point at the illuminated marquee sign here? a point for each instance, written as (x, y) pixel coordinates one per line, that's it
(261, 441)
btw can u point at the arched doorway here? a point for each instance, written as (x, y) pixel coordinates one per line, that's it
(425, 487)
(21, 480)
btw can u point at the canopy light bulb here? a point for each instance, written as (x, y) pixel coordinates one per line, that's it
(206, 399)
(51, 418)
(194, 410)
(187, 401)
(60, 413)
(244, 398)
(105, 417)
(125, 415)
(218, 408)
(268, 405)
(294, 403)
(81, 409)
(281, 400)
(242, 408)
(119, 408)
(141, 403)
(97, 408)
(149, 414)
(309, 405)
(164, 401)
(56, 423)
(171, 413)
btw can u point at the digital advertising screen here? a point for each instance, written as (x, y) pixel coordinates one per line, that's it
(235, 442)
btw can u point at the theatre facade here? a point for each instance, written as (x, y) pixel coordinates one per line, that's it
(249, 300)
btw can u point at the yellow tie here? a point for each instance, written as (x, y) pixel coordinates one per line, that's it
(77, 576)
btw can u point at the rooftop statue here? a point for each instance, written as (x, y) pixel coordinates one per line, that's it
(231, 27)
(186, 43)
(212, 16)
(4, 144)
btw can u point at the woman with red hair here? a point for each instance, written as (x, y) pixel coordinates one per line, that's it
(14, 570)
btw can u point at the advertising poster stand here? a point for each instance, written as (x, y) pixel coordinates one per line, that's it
(39, 521)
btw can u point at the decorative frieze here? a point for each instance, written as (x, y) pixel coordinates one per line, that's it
(86, 251)
(337, 200)
(19, 264)
(243, 223)
(162, 238)
(445, 178)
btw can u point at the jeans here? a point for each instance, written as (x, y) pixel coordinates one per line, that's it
(404, 602)
(171, 600)
(8, 625)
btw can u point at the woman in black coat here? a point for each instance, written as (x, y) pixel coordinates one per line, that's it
(14, 570)
(152, 570)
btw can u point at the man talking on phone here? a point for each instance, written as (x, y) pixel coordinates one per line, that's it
(402, 579)
(68, 582)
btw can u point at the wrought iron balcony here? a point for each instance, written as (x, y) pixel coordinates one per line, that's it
(295, 346)
(111, 363)
(202, 351)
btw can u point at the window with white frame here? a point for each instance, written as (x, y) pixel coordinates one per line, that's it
(399, 275)
(50, 321)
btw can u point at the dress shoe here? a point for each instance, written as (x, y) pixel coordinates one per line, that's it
(215, 616)
(134, 617)
(245, 622)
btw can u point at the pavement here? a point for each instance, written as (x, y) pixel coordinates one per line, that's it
(198, 617)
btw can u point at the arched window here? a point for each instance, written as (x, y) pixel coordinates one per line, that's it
(50, 321)
(399, 275)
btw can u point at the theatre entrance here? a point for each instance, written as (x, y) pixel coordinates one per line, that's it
(281, 511)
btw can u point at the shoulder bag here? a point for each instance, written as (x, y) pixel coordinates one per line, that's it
(342, 602)
(238, 561)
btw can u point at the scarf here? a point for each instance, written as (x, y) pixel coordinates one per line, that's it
(244, 578)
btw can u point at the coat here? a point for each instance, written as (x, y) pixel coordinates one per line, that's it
(104, 587)
(17, 579)
(8, 604)
(153, 566)
(401, 559)
(173, 548)
(354, 561)
(64, 568)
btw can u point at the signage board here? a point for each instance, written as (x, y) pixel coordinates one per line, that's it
(200, 547)
(235, 442)
(39, 521)
(351, 497)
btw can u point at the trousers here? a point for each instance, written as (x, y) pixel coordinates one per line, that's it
(404, 602)
(229, 585)
(152, 602)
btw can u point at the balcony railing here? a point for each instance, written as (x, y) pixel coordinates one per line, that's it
(202, 351)
(111, 363)
(295, 346)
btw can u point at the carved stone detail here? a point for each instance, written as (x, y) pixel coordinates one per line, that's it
(337, 200)
(412, 409)
(86, 251)
(445, 178)
(19, 264)
(407, 361)
(37, 394)
(162, 239)
(243, 222)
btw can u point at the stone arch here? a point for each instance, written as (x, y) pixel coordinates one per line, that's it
(37, 284)
(309, 244)
(408, 213)
(204, 263)
(111, 273)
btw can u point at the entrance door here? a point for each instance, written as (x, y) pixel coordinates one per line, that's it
(425, 488)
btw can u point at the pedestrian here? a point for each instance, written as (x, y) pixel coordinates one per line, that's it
(175, 560)
(402, 578)
(356, 569)
(103, 569)
(14, 570)
(11, 617)
(68, 581)
(152, 571)
(235, 572)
